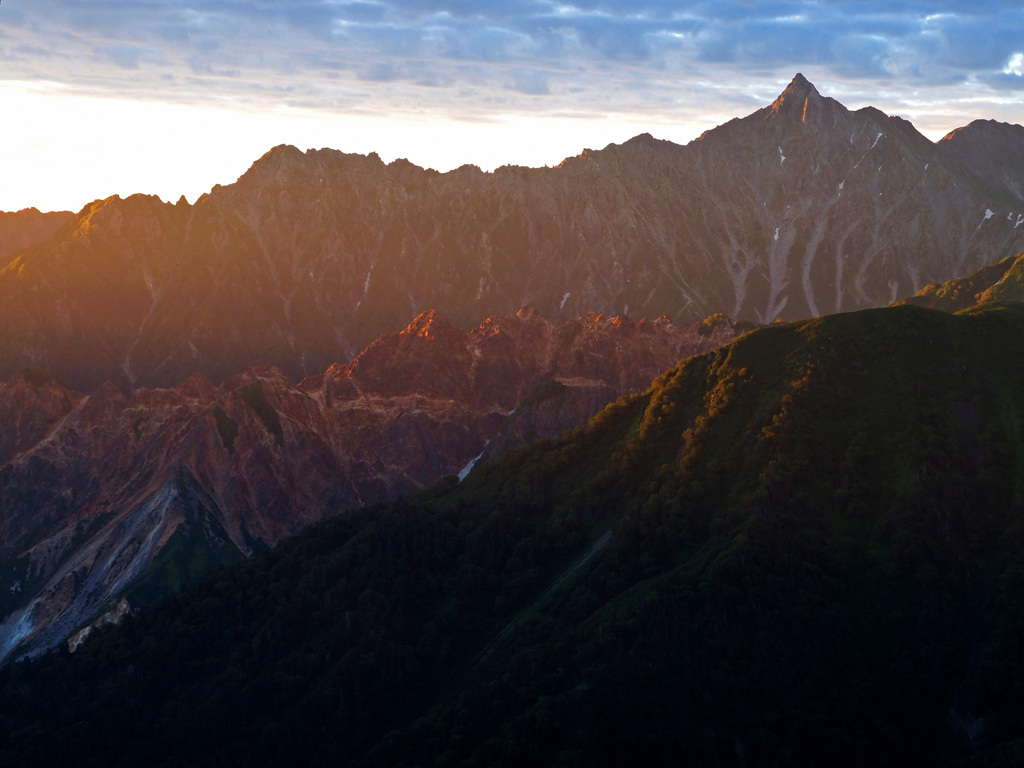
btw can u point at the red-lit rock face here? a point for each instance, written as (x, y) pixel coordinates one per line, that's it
(92, 488)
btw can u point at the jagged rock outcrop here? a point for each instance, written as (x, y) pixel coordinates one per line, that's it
(31, 404)
(106, 493)
(802, 208)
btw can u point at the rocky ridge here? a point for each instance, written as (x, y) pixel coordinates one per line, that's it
(106, 494)
(20, 229)
(994, 153)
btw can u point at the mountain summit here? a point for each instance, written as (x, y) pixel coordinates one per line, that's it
(796, 98)
(993, 153)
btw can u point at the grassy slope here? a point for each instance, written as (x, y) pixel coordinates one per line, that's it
(1003, 281)
(815, 557)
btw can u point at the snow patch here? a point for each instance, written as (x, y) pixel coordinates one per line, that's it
(1020, 220)
(926, 166)
(879, 136)
(776, 234)
(989, 213)
(782, 157)
(565, 298)
(13, 631)
(472, 462)
(842, 184)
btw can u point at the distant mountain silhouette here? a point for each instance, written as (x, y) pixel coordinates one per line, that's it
(799, 209)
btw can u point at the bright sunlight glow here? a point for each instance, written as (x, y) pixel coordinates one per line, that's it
(58, 155)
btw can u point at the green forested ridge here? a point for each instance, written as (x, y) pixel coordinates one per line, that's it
(815, 557)
(1002, 281)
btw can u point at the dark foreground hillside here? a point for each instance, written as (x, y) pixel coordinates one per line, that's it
(803, 549)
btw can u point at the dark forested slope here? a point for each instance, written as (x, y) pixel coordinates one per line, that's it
(802, 549)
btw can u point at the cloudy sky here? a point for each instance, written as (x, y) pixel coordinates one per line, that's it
(111, 97)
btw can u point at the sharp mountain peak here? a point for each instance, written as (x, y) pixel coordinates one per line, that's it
(799, 87)
(801, 102)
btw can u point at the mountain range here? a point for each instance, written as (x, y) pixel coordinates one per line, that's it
(185, 388)
(799, 209)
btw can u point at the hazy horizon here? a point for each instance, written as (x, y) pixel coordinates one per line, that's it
(171, 99)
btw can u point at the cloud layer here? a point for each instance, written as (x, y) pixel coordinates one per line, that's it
(194, 90)
(478, 57)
